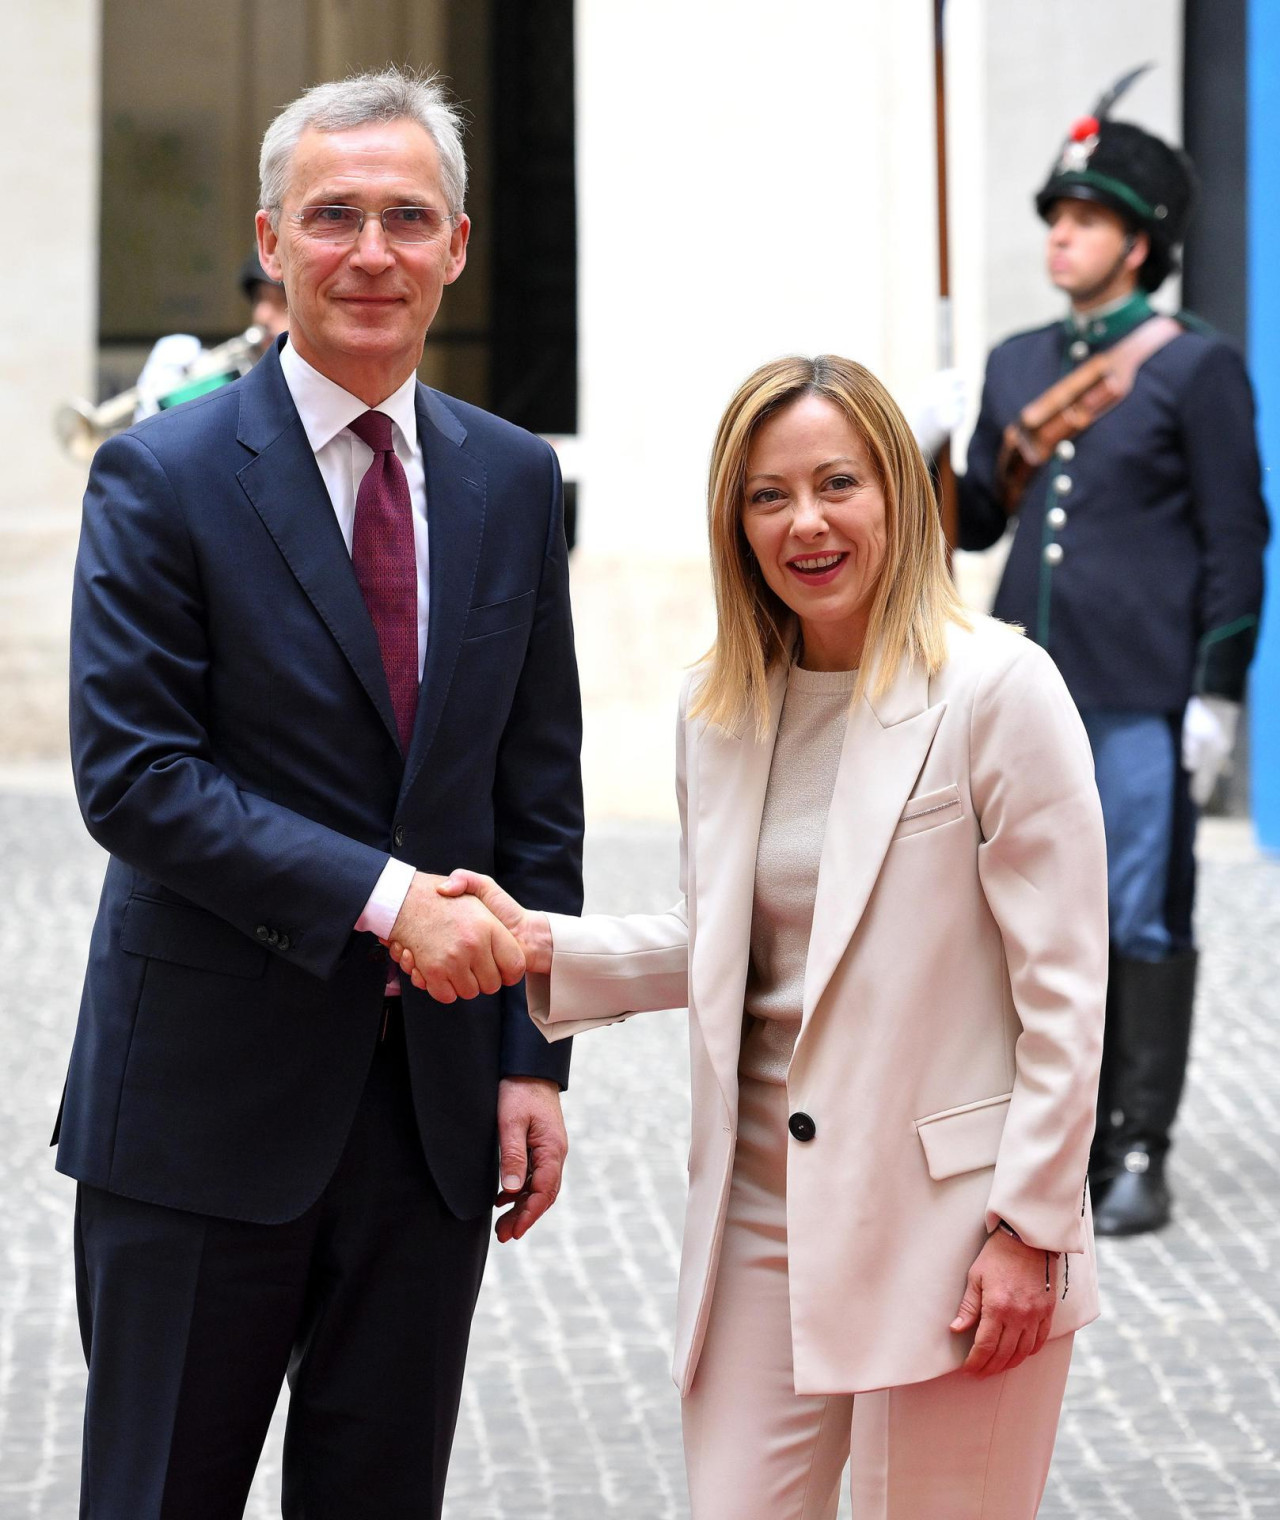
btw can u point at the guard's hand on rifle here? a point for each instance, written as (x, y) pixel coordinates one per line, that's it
(939, 410)
(1208, 737)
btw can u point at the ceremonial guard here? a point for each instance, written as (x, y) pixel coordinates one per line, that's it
(1122, 444)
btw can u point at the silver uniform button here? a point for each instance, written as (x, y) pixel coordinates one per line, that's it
(1057, 518)
(1137, 1162)
(1053, 554)
(1066, 449)
(1062, 484)
(1079, 349)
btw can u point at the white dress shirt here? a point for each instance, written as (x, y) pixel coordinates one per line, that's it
(327, 411)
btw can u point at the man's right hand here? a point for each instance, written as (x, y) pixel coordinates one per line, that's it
(459, 948)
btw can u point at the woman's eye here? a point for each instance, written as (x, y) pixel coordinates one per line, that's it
(766, 498)
(841, 483)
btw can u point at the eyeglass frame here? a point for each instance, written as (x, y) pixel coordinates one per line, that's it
(447, 219)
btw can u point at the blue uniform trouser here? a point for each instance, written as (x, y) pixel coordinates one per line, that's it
(1136, 765)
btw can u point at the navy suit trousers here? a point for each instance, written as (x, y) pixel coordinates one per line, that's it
(191, 1324)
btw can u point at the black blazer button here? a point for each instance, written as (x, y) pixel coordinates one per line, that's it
(273, 936)
(263, 933)
(398, 836)
(802, 1126)
(285, 942)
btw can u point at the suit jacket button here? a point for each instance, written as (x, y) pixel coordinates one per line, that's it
(273, 936)
(398, 836)
(263, 933)
(802, 1126)
(285, 942)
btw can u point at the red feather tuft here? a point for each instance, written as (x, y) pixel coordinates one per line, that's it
(1086, 127)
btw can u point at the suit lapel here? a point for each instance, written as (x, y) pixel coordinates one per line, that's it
(733, 774)
(456, 498)
(284, 484)
(885, 746)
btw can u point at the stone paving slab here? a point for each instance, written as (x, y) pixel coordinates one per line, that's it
(1173, 1409)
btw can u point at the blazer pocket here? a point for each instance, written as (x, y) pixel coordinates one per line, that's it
(963, 1139)
(188, 936)
(497, 617)
(928, 810)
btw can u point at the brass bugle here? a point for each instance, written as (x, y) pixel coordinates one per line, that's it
(81, 426)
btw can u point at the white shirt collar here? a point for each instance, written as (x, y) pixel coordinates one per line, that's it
(325, 408)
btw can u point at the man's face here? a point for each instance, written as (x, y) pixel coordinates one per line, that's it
(359, 312)
(1085, 248)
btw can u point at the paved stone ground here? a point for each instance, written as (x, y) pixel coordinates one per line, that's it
(1174, 1407)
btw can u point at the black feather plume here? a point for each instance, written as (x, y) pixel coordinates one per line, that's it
(1103, 108)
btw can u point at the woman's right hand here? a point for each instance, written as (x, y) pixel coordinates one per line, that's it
(532, 931)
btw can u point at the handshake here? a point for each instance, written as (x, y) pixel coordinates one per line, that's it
(460, 935)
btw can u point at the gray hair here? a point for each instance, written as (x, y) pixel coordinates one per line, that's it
(392, 94)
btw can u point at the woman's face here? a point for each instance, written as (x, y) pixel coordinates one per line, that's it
(814, 517)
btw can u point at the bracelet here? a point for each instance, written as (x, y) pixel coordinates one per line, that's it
(1048, 1270)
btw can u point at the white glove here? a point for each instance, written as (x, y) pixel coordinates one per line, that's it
(939, 410)
(166, 368)
(1208, 737)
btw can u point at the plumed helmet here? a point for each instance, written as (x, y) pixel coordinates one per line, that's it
(1148, 183)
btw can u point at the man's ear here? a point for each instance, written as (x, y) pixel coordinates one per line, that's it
(458, 248)
(268, 245)
(1139, 248)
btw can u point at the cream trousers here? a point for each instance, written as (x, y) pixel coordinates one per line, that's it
(954, 1448)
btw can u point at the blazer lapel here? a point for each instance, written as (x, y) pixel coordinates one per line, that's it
(284, 484)
(885, 746)
(456, 497)
(733, 774)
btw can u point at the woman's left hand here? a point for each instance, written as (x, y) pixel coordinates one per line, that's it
(1006, 1298)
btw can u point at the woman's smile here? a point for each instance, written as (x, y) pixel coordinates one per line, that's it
(817, 569)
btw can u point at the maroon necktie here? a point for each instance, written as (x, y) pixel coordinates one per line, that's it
(386, 567)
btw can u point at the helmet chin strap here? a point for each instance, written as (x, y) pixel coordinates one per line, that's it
(1099, 288)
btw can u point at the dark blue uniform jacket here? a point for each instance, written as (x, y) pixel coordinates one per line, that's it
(1137, 558)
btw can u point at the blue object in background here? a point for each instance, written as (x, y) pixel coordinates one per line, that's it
(1263, 65)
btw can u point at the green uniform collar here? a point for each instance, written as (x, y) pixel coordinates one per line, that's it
(1100, 329)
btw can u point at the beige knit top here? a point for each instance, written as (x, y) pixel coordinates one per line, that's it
(802, 778)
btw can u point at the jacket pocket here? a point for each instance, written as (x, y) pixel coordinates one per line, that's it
(928, 810)
(963, 1139)
(188, 936)
(497, 617)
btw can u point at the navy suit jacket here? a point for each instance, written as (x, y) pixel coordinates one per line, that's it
(235, 751)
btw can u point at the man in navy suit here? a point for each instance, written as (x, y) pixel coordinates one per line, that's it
(321, 654)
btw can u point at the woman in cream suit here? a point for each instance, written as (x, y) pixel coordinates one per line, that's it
(892, 941)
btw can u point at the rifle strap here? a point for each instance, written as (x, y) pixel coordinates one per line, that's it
(1073, 404)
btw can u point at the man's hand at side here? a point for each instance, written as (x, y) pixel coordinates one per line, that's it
(459, 948)
(532, 1144)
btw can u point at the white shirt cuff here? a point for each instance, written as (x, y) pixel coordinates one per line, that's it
(386, 899)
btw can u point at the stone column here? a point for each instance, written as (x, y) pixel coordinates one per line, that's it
(754, 179)
(49, 91)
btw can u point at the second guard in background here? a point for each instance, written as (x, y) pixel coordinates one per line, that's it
(1123, 444)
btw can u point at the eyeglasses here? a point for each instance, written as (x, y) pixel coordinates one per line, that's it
(400, 224)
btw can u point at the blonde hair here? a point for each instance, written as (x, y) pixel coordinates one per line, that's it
(913, 599)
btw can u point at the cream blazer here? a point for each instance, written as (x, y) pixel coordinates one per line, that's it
(952, 1016)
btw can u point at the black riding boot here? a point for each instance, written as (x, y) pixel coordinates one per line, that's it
(1149, 1006)
(1102, 1161)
